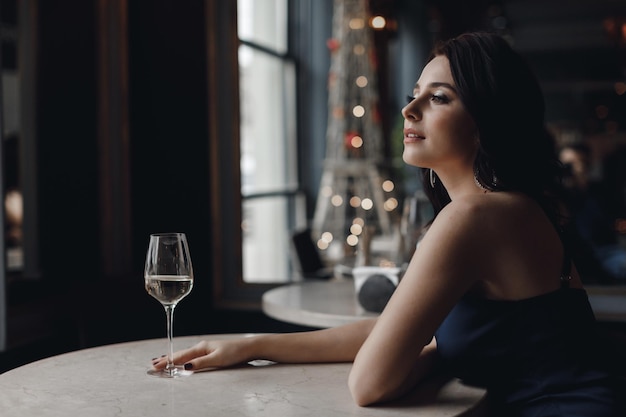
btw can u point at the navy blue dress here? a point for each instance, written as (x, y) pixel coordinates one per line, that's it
(536, 357)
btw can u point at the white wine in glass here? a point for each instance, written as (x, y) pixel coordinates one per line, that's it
(168, 277)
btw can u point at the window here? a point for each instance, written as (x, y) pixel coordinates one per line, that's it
(272, 206)
(266, 148)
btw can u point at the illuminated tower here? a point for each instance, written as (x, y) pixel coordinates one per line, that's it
(354, 196)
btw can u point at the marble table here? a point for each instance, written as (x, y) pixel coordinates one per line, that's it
(315, 303)
(334, 303)
(111, 380)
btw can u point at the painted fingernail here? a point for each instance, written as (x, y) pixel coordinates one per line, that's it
(188, 366)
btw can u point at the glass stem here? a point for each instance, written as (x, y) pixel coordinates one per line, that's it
(169, 311)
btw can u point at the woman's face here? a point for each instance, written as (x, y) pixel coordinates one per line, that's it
(438, 131)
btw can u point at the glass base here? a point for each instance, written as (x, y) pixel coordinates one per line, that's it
(175, 372)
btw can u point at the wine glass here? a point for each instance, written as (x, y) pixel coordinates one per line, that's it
(168, 277)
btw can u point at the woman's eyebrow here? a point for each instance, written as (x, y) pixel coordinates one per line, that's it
(436, 84)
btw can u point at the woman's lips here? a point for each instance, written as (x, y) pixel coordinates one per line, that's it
(412, 135)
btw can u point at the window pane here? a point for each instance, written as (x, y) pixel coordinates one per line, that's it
(267, 142)
(263, 22)
(267, 126)
(265, 231)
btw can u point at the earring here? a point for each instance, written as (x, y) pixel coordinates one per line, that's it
(432, 179)
(494, 182)
(478, 183)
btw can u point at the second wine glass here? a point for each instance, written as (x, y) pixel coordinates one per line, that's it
(168, 277)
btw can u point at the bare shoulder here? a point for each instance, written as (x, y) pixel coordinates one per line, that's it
(507, 239)
(469, 229)
(491, 212)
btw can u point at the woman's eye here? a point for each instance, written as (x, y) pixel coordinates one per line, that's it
(437, 98)
(409, 99)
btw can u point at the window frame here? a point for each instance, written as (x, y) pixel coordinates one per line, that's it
(309, 25)
(284, 194)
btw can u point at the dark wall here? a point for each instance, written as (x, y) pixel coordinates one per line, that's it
(169, 133)
(67, 153)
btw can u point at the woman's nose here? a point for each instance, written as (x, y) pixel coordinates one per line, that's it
(410, 111)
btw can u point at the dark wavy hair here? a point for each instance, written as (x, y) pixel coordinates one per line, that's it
(501, 93)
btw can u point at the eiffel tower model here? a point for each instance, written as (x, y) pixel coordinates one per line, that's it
(354, 201)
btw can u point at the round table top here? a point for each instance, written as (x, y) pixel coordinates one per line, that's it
(112, 380)
(334, 303)
(315, 303)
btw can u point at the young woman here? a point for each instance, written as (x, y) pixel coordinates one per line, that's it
(490, 293)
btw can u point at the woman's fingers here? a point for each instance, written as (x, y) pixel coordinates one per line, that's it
(182, 356)
(213, 354)
(160, 362)
(197, 350)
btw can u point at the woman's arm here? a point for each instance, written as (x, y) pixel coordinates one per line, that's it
(338, 344)
(400, 347)
(425, 365)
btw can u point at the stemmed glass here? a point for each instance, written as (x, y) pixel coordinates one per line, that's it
(168, 277)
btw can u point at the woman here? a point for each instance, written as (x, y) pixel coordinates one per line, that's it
(490, 292)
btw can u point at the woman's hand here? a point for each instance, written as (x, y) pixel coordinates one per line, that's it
(209, 354)
(336, 344)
